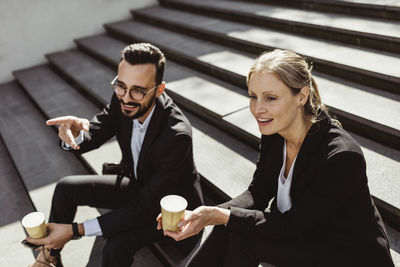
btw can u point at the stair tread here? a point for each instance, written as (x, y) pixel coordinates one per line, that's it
(362, 59)
(33, 146)
(239, 63)
(366, 26)
(15, 204)
(382, 161)
(27, 137)
(385, 3)
(50, 88)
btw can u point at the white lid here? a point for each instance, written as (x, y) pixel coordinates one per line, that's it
(33, 219)
(173, 203)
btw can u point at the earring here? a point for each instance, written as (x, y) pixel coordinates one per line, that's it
(300, 105)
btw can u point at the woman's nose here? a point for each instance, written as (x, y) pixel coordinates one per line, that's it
(260, 107)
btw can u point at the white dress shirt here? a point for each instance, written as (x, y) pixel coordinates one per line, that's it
(284, 202)
(92, 226)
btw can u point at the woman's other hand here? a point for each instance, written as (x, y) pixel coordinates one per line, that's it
(159, 222)
(196, 220)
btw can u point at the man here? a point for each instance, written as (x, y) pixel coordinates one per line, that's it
(155, 139)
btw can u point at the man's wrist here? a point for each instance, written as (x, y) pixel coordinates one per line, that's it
(76, 233)
(81, 229)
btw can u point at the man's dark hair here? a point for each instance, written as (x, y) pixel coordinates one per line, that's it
(143, 53)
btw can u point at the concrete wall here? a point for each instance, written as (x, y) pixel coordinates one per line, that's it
(29, 29)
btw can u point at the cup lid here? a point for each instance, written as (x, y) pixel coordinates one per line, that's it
(173, 203)
(33, 219)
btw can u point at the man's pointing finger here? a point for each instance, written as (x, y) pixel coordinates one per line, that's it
(59, 120)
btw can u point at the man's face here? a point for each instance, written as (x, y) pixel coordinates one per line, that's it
(139, 76)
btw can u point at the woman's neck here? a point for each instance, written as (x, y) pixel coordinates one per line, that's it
(296, 134)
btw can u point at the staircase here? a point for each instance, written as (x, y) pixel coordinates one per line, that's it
(210, 46)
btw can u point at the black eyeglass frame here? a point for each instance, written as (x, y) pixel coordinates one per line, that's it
(137, 92)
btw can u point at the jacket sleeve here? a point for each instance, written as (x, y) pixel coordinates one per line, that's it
(259, 193)
(144, 206)
(325, 196)
(102, 128)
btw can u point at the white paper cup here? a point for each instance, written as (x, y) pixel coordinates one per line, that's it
(173, 210)
(35, 225)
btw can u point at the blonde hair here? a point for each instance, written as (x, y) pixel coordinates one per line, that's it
(295, 73)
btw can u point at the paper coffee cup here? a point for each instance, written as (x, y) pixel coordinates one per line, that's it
(34, 224)
(173, 210)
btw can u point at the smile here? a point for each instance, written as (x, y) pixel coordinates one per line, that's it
(263, 122)
(129, 107)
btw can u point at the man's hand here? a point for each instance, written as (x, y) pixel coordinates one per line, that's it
(196, 220)
(70, 127)
(59, 235)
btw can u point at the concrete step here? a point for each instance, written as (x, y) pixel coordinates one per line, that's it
(208, 100)
(372, 33)
(14, 204)
(365, 66)
(40, 162)
(380, 9)
(394, 242)
(27, 137)
(232, 65)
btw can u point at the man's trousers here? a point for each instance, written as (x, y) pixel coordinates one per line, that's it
(107, 192)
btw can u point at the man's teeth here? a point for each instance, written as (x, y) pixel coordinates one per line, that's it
(129, 106)
(264, 120)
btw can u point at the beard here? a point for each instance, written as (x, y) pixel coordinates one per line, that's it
(143, 108)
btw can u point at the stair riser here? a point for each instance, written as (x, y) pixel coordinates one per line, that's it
(81, 88)
(188, 61)
(329, 33)
(390, 214)
(354, 9)
(380, 81)
(212, 119)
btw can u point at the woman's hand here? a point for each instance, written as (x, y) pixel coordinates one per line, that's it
(196, 220)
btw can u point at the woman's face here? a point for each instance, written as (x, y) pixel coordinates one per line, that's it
(272, 104)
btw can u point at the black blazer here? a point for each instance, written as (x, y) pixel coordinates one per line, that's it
(332, 209)
(165, 163)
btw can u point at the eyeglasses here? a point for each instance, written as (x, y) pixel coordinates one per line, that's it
(137, 93)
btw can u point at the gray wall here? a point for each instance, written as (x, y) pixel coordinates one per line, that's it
(29, 29)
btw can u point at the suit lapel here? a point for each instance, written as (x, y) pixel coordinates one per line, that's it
(306, 154)
(126, 137)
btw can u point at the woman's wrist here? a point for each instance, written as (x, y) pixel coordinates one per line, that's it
(220, 215)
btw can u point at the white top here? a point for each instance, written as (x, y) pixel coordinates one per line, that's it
(138, 134)
(284, 202)
(92, 226)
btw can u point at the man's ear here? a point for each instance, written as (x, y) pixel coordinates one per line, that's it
(303, 95)
(160, 89)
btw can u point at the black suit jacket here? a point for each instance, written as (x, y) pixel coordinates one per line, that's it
(332, 210)
(165, 163)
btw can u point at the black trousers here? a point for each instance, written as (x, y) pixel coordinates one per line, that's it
(106, 192)
(225, 248)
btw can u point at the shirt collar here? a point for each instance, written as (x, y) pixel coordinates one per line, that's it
(143, 126)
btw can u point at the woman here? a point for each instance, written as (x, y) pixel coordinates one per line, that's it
(322, 213)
